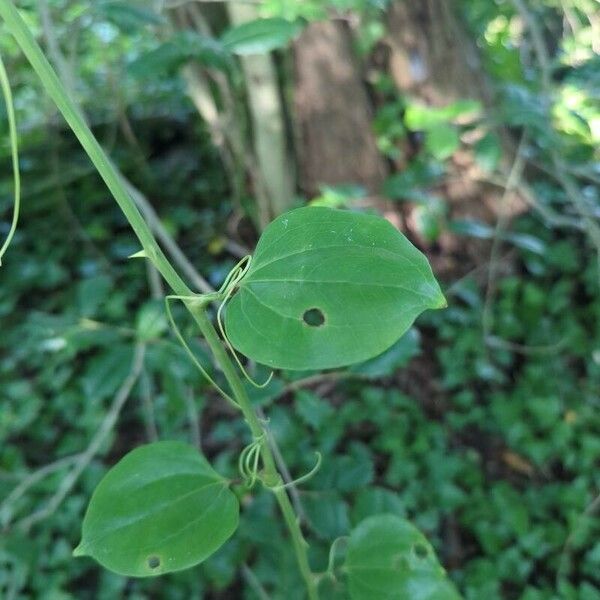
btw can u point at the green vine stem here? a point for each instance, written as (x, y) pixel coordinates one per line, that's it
(270, 476)
(75, 119)
(14, 148)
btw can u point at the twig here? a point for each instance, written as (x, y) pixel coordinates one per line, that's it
(566, 551)
(560, 170)
(513, 177)
(86, 457)
(155, 283)
(331, 376)
(192, 412)
(30, 481)
(283, 468)
(254, 583)
(138, 197)
(148, 405)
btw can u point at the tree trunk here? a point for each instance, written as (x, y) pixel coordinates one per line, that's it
(333, 113)
(432, 55)
(271, 147)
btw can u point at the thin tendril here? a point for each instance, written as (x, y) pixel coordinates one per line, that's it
(227, 289)
(14, 148)
(249, 459)
(332, 551)
(242, 266)
(192, 356)
(304, 478)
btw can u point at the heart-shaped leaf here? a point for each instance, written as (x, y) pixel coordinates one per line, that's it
(328, 288)
(161, 508)
(388, 557)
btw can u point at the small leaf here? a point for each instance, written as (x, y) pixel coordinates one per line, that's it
(151, 321)
(260, 36)
(178, 50)
(328, 288)
(442, 141)
(161, 508)
(127, 16)
(395, 357)
(488, 152)
(140, 254)
(388, 557)
(327, 513)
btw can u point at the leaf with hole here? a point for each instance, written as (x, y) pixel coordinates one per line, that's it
(161, 508)
(328, 288)
(388, 557)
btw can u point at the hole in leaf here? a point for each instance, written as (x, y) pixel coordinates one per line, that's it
(153, 562)
(313, 317)
(420, 550)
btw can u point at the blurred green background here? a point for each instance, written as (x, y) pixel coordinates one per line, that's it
(474, 126)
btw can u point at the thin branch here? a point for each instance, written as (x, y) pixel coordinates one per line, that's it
(560, 169)
(254, 583)
(138, 197)
(513, 178)
(148, 406)
(99, 438)
(28, 482)
(192, 413)
(563, 563)
(283, 468)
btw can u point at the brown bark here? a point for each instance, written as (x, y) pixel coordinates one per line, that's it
(432, 55)
(335, 142)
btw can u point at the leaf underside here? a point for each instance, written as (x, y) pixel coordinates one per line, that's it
(162, 508)
(328, 288)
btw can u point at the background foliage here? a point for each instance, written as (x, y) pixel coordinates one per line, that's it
(481, 424)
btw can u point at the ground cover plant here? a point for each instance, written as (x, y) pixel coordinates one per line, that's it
(478, 426)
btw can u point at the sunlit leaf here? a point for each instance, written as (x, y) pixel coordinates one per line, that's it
(328, 288)
(161, 508)
(442, 141)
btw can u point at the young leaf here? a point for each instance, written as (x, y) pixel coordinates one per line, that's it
(161, 508)
(260, 36)
(328, 288)
(178, 50)
(442, 141)
(388, 557)
(127, 16)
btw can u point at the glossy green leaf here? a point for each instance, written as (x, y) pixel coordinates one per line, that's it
(328, 288)
(389, 558)
(260, 36)
(161, 508)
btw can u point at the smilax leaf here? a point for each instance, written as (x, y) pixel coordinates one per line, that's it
(389, 558)
(161, 508)
(327, 288)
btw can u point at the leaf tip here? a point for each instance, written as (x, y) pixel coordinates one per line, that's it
(140, 254)
(80, 550)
